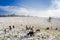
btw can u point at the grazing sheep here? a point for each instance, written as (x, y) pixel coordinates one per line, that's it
(13, 26)
(10, 27)
(47, 28)
(31, 33)
(27, 28)
(37, 30)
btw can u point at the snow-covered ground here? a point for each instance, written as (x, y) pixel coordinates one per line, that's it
(36, 21)
(20, 23)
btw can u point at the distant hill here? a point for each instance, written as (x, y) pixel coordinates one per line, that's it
(13, 15)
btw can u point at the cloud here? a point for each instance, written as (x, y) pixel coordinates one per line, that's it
(19, 10)
(53, 10)
(14, 10)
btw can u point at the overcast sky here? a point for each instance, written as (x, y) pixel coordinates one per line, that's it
(40, 8)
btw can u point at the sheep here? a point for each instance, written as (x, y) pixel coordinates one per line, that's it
(31, 33)
(13, 26)
(10, 27)
(47, 28)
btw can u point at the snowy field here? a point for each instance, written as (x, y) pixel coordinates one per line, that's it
(36, 21)
(20, 31)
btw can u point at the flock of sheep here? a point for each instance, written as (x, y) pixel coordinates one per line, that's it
(29, 33)
(17, 29)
